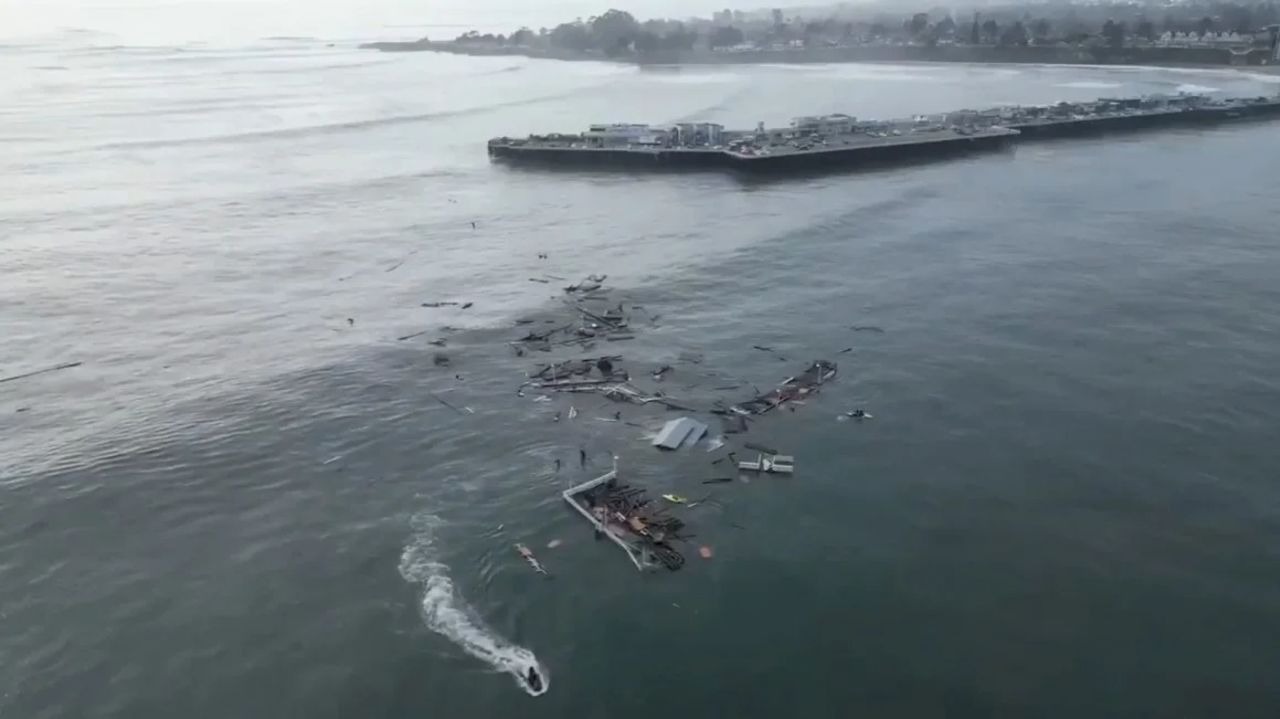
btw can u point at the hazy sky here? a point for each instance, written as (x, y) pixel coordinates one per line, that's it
(167, 21)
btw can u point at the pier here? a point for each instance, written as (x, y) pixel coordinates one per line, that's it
(834, 142)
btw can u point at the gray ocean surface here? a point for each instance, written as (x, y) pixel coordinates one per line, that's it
(243, 505)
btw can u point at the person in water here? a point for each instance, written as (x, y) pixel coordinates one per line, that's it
(534, 679)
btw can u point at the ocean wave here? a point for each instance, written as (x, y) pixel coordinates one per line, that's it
(1197, 89)
(447, 613)
(311, 68)
(1090, 85)
(327, 128)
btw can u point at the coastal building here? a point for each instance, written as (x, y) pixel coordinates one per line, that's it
(837, 124)
(698, 133)
(617, 134)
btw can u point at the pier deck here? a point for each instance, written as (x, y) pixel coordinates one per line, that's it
(861, 144)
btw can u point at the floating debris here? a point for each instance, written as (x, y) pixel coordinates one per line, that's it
(439, 304)
(554, 543)
(776, 464)
(55, 368)
(702, 500)
(623, 516)
(532, 560)
(867, 328)
(677, 433)
(792, 389)
(674, 498)
(441, 401)
(706, 552)
(734, 424)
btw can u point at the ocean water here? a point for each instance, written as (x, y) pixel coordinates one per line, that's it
(248, 502)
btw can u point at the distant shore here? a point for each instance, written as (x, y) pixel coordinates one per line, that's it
(1032, 54)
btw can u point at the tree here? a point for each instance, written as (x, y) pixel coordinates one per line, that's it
(1040, 30)
(725, 36)
(1266, 15)
(946, 27)
(678, 38)
(919, 22)
(1205, 26)
(1145, 29)
(523, 36)
(991, 31)
(1238, 18)
(975, 33)
(647, 42)
(614, 31)
(1113, 32)
(877, 30)
(812, 31)
(1015, 34)
(570, 36)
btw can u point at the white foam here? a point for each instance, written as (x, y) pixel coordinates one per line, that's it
(447, 613)
(1197, 89)
(1261, 77)
(1090, 85)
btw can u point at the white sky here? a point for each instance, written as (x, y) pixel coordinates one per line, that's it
(175, 21)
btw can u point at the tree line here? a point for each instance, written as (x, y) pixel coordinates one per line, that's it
(616, 32)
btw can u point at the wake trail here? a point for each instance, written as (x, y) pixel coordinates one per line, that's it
(447, 613)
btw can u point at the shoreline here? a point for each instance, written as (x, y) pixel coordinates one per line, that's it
(1195, 58)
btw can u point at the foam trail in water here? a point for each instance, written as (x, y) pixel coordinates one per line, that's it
(447, 614)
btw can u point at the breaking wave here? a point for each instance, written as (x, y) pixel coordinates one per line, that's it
(331, 128)
(1090, 85)
(1197, 89)
(447, 613)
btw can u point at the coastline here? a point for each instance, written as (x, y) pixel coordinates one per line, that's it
(978, 54)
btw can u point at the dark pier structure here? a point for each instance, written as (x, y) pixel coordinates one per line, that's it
(835, 142)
